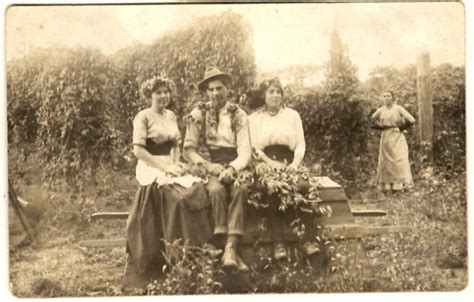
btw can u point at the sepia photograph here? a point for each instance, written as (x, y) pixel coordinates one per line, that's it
(185, 148)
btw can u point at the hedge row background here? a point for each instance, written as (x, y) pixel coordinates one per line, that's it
(74, 107)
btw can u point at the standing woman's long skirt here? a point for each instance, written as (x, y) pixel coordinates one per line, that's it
(168, 212)
(393, 170)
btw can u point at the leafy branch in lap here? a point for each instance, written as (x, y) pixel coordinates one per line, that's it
(298, 192)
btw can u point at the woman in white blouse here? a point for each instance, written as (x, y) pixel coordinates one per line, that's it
(393, 171)
(277, 139)
(169, 204)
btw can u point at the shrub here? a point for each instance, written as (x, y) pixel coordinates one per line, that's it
(76, 105)
(23, 99)
(335, 117)
(449, 128)
(73, 138)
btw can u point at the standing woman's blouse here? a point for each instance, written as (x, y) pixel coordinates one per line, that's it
(394, 116)
(393, 169)
(284, 128)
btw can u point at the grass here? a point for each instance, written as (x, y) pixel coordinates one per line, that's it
(432, 257)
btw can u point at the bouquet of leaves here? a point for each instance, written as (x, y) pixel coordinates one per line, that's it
(298, 190)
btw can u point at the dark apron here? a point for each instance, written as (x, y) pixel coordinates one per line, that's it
(159, 149)
(223, 155)
(279, 153)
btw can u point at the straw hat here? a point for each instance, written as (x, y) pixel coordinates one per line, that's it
(214, 73)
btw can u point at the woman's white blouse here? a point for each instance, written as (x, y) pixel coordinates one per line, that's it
(284, 128)
(160, 128)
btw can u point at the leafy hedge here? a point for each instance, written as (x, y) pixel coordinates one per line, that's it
(76, 105)
(449, 110)
(334, 117)
(336, 120)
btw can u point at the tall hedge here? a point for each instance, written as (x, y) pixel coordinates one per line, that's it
(334, 116)
(72, 132)
(223, 40)
(449, 110)
(76, 105)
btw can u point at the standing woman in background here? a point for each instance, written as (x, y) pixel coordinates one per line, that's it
(393, 171)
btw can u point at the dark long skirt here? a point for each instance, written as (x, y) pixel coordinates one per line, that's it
(167, 213)
(278, 219)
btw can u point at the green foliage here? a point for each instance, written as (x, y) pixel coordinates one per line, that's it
(72, 136)
(77, 105)
(23, 100)
(334, 117)
(449, 118)
(189, 270)
(449, 128)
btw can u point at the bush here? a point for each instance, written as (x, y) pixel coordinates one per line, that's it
(334, 118)
(76, 106)
(72, 136)
(23, 100)
(449, 128)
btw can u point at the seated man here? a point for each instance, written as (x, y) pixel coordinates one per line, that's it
(223, 128)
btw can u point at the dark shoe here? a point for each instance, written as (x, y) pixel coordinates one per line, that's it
(279, 252)
(229, 259)
(242, 266)
(311, 248)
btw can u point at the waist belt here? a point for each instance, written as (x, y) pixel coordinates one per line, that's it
(279, 152)
(223, 155)
(159, 149)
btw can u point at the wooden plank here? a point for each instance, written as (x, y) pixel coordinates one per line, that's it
(342, 231)
(110, 215)
(369, 213)
(117, 242)
(356, 231)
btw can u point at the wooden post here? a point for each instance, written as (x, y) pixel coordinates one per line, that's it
(425, 104)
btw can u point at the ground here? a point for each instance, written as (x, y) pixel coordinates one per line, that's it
(431, 257)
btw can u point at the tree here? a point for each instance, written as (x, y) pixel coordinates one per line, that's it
(334, 116)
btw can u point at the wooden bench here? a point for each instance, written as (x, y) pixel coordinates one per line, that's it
(339, 225)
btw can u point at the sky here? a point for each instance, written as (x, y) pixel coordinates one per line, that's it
(389, 34)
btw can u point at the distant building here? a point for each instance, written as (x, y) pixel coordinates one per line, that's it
(297, 76)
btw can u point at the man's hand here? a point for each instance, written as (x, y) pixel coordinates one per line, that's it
(227, 176)
(215, 169)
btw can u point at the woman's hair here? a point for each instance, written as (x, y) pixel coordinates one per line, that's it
(151, 85)
(391, 93)
(257, 97)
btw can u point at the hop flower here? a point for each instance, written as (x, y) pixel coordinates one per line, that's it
(232, 108)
